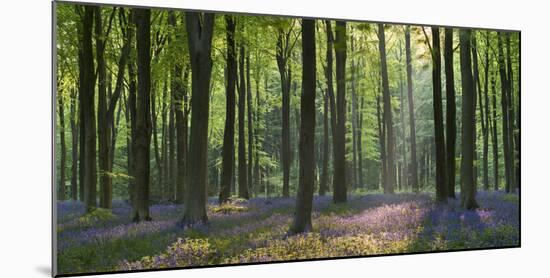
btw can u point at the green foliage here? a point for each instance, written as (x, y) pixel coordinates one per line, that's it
(95, 216)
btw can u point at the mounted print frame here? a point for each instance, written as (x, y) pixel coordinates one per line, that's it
(187, 138)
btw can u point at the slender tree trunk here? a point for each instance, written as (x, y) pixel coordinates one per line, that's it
(324, 172)
(388, 121)
(513, 122)
(103, 132)
(228, 150)
(495, 134)
(74, 147)
(382, 140)
(243, 178)
(414, 163)
(331, 98)
(339, 187)
(132, 113)
(450, 113)
(251, 184)
(359, 143)
(485, 120)
(285, 73)
(199, 35)
(505, 116)
(354, 119)
(468, 122)
(403, 172)
(440, 173)
(304, 199)
(63, 159)
(172, 167)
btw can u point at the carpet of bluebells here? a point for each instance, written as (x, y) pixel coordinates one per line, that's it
(256, 231)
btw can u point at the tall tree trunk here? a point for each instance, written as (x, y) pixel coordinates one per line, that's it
(485, 111)
(388, 121)
(181, 132)
(286, 75)
(199, 36)
(74, 147)
(495, 134)
(63, 160)
(331, 98)
(468, 122)
(414, 163)
(440, 173)
(359, 144)
(142, 139)
(477, 88)
(132, 114)
(403, 172)
(513, 122)
(304, 199)
(250, 186)
(103, 132)
(87, 92)
(323, 184)
(382, 140)
(243, 178)
(505, 116)
(228, 150)
(451, 113)
(172, 167)
(354, 119)
(339, 186)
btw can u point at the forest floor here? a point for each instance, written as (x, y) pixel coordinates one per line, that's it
(256, 231)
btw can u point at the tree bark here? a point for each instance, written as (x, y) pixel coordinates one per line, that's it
(330, 96)
(63, 159)
(505, 116)
(468, 123)
(250, 185)
(228, 150)
(389, 184)
(450, 113)
(74, 147)
(243, 178)
(199, 35)
(414, 163)
(282, 56)
(87, 92)
(142, 137)
(339, 186)
(304, 199)
(440, 173)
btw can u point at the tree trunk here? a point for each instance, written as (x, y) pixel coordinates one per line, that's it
(250, 186)
(142, 139)
(243, 178)
(485, 111)
(513, 122)
(88, 133)
(285, 73)
(414, 163)
(325, 152)
(388, 122)
(228, 150)
(339, 186)
(74, 147)
(382, 140)
(304, 199)
(505, 116)
(440, 176)
(495, 134)
(331, 98)
(451, 113)
(360, 144)
(468, 122)
(63, 160)
(199, 35)
(354, 119)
